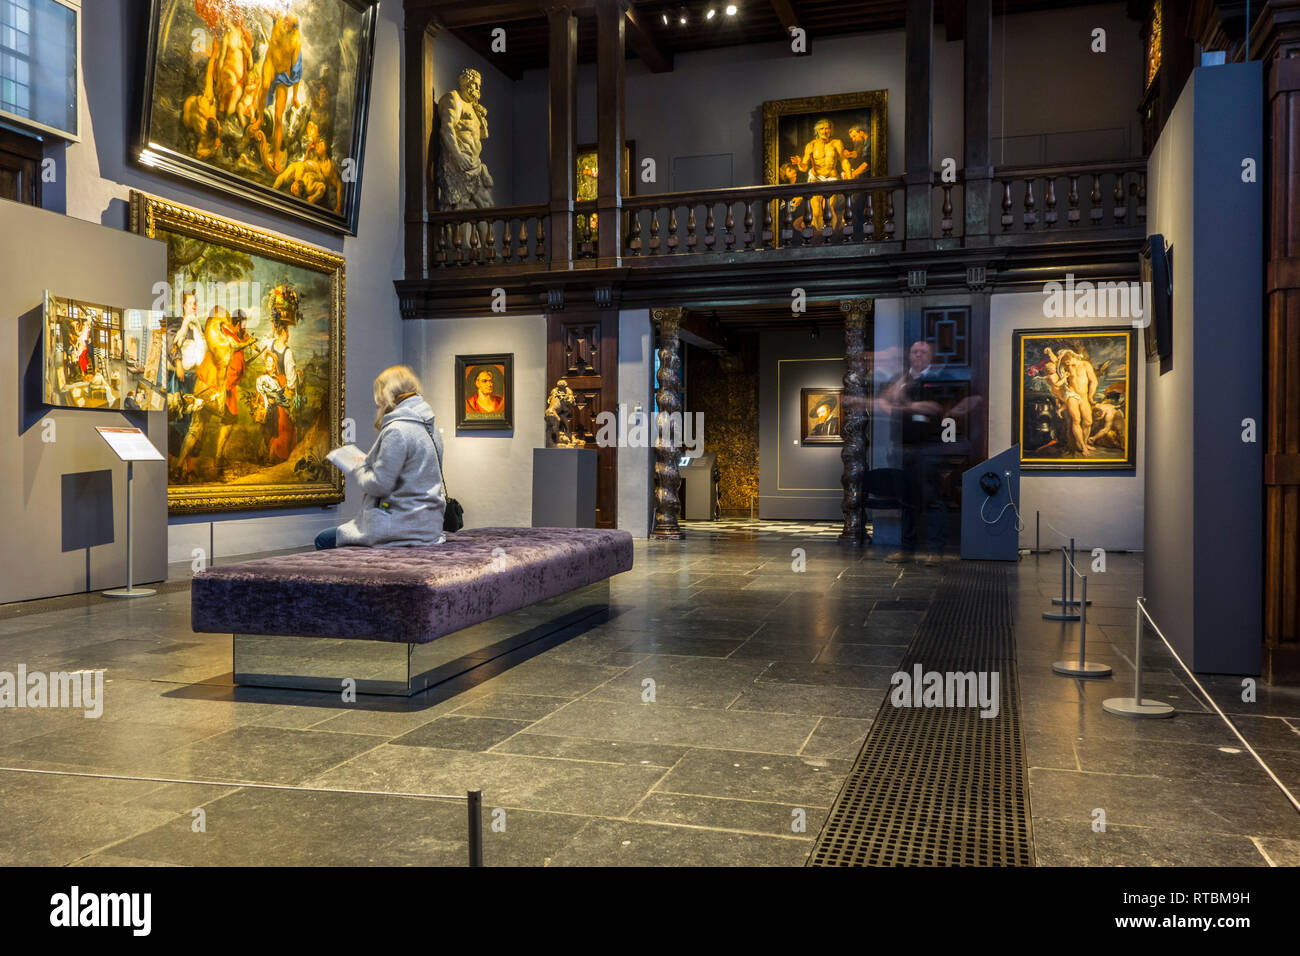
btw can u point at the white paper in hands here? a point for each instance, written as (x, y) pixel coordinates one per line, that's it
(348, 458)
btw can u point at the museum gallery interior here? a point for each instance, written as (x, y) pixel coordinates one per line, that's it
(650, 433)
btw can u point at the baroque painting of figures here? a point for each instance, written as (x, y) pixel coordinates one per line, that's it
(263, 98)
(253, 363)
(97, 356)
(1074, 398)
(825, 139)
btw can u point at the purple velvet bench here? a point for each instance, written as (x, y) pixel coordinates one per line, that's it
(398, 620)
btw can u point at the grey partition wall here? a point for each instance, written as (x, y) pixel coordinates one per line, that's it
(63, 501)
(1204, 498)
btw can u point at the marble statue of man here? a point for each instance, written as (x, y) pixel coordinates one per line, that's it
(463, 179)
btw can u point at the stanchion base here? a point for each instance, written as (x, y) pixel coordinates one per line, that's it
(1066, 616)
(1081, 669)
(1058, 602)
(129, 592)
(1129, 707)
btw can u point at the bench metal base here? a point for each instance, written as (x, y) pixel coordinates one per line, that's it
(401, 670)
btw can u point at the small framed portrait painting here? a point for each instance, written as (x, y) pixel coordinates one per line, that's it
(819, 416)
(485, 392)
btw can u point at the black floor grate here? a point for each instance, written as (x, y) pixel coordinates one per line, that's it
(942, 786)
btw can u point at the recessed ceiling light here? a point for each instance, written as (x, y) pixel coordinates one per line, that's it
(731, 9)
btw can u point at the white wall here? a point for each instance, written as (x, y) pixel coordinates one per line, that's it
(1099, 509)
(489, 473)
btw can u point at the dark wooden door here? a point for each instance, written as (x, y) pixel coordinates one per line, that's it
(20, 168)
(959, 337)
(583, 348)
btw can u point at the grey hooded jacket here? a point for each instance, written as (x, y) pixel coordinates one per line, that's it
(402, 481)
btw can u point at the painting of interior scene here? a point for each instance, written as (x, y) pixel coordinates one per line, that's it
(825, 139)
(266, 91)
(1073, 398)
(97, 356)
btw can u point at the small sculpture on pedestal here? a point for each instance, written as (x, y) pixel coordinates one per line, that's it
(560, 407)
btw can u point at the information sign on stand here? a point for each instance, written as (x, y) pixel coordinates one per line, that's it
(130, 445)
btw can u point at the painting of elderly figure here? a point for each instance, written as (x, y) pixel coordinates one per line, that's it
(827, 140)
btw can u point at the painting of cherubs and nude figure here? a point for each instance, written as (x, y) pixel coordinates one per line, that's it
(1074, 398)
(253, 363)
(262, 98)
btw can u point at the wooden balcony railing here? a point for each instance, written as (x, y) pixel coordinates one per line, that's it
(1100, 195)
(1035, 203)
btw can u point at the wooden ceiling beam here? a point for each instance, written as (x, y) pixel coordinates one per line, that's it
(455, 14)
(788, 14)
(639, 38)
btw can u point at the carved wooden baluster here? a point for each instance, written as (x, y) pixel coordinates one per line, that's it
(729, 227)
(847, 228)
(440, 243)
(507, 240)
(691, 238)
(460, 253)
(889, 215)
(634, 241)
(1049, 218)
(672, 229)
(1030, 216)
(828, 215)
(710, 227)
(869, 221)
(1142, 196)
(946, 221)
(766, 242)
(522, 252)
(787, 223)
(1121, 209)
(475, 244)
(1095, 213)
(541, 239)
(491, 244)
(1007, 218)
(1073, 215)
(654, 231)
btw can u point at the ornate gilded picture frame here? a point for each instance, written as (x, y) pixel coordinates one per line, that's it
(1074, 398)
(254, 358)
(858, 124)
(266, 102)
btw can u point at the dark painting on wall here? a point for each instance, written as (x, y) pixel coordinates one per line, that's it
(819, 416)
(264, 99)
(1073, 398)
(485, 386)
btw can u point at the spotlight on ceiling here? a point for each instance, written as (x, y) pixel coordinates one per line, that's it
(665, 19)
(731, 9)
(711, 14)
(683, 15)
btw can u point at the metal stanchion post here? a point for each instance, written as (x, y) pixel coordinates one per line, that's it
(1137, 706)
(1066, 614)
(1082, 667)
(475, 827)
(1068, 602)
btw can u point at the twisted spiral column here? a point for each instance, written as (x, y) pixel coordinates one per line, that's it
(668, 502)
(853, 421)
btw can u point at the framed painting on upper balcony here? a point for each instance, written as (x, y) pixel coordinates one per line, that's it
(262, 99)
(826, 139)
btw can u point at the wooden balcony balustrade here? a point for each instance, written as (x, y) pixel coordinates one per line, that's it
(1029, 204)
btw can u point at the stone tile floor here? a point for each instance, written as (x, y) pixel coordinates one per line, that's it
(765, 683)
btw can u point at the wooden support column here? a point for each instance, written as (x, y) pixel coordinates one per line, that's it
(978, 163)
(853, 421)
(668, 501)
(610, 125)
(917, 135)
(419, 121)
(563, 98)
(1276, 41)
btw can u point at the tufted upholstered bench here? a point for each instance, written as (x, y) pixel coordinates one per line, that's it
(398, 620)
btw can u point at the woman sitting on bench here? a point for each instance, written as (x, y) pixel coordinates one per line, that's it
(401, 477)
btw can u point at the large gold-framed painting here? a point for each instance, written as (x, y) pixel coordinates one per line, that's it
(264, 99)
(254, 361)
(1074, 399)
(827, 139)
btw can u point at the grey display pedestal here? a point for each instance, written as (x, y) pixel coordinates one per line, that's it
(564, 487)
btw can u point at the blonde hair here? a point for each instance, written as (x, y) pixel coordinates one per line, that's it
(393, 386)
